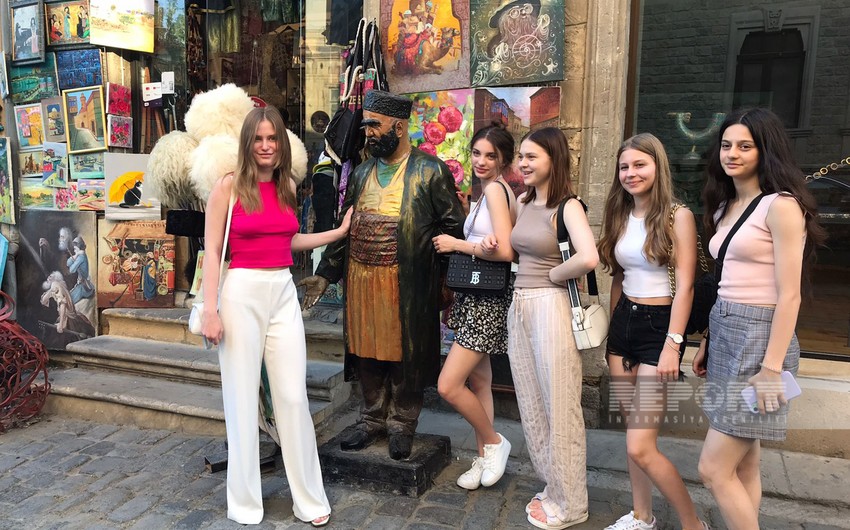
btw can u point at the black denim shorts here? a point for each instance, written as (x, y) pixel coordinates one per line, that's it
(637, 332)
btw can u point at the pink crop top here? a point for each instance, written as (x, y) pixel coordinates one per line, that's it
(262, 239)
(749, 266)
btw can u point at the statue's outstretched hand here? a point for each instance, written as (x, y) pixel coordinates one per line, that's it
(316, 286)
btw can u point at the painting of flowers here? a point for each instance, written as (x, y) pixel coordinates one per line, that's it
(441, 125)
(7, 195)
(66, 198)
(120, 131)
(118, 99)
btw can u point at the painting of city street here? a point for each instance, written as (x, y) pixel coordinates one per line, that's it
(32, 83)
(516, 42)
(519, 110)
(441, 125)
(84, 119)
(79, 68)
(427, 44)
(86, 166)
(55, 165)
(128, 24)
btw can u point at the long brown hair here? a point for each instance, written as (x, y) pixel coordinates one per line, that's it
(246, 179)
(553, 141)
(618, 205)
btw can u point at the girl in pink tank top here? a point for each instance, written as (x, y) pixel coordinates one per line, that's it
(752, 344)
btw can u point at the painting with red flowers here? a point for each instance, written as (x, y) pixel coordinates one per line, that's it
(426, 44)
(441, 124)
(118, 100)
(120, 131)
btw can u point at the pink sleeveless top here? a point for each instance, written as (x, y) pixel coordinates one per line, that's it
(749, 275)
(262, 239)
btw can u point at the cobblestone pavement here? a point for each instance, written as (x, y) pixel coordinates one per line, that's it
(69, 474)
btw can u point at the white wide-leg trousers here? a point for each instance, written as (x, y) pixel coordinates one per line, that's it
(262, 320)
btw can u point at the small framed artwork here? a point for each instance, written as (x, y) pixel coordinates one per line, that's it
(27, 27)
(34, 82)
(91, 195)
(120, 131)
(7, 184)
(31, 164)
(67, 23)
(118, 99)
(85, 121)
(79, 68)
(66, 198)
(55, 165)
(4, 79)
(87, 166)
(29, 126)
(53, 116)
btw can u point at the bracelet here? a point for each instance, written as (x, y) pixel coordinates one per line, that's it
(474, 246)
(769, 369)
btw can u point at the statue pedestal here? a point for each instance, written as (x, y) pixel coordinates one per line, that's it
(373, 469)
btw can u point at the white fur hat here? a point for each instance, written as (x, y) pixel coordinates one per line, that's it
(218, 111)
(214, 157)
(168, 168)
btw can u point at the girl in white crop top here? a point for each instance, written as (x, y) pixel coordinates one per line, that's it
(480, 320)
(751, 326)
(645, 340)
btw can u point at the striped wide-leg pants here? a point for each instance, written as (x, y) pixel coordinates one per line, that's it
(546, 369)
(262, 320)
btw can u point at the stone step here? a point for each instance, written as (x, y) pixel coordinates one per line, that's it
(186, 363)
(324, 340)
(146, 402)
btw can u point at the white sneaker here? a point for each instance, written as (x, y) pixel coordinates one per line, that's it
(472, 478)
(628, 522)
(495, 460)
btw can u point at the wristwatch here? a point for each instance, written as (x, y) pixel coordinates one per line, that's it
(677, 337)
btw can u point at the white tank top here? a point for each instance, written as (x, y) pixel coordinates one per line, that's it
(641, 278)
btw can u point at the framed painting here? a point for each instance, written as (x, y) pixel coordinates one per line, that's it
(516, 42)
(53, 117)
(91, 195)
(35, 195)
(441, 125)
(7, 192)
(56, 304)
(127, 198)
(79, 68)
(4, 79)
(34, 82)
(31, 164)
(86, 166)
(27, 33)
(67, 23)
(136, 264)
(55, 165)
(118, 100)
(85, 120)
(426, 44)
(65, 199)
(120, 131)
(128, 24)
(29, 126)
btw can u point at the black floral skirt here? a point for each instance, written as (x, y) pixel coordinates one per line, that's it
(480, 320)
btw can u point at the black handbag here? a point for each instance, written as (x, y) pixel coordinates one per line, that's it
(472, 275)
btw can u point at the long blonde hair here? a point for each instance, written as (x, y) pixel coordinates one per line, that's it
(245, 178)
(618, 205)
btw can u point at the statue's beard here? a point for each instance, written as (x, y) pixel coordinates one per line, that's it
(383, 146)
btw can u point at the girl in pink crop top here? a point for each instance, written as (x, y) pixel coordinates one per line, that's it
(254, 317)
(752, 323)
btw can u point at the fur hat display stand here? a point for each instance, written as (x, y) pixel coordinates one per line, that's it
(184, 166)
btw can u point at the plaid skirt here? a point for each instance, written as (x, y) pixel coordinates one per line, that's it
(739, 336)
(480, 321)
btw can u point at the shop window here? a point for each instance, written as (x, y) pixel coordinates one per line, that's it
(770, 73)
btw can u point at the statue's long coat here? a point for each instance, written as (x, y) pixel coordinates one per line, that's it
(429, 207)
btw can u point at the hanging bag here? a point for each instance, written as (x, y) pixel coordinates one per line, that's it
(705, 286)
(472, 275)
(196, 317)
(589, 323)
(343, 137)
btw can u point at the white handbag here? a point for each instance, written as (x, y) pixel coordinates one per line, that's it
(589, 323)
(196, 316)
